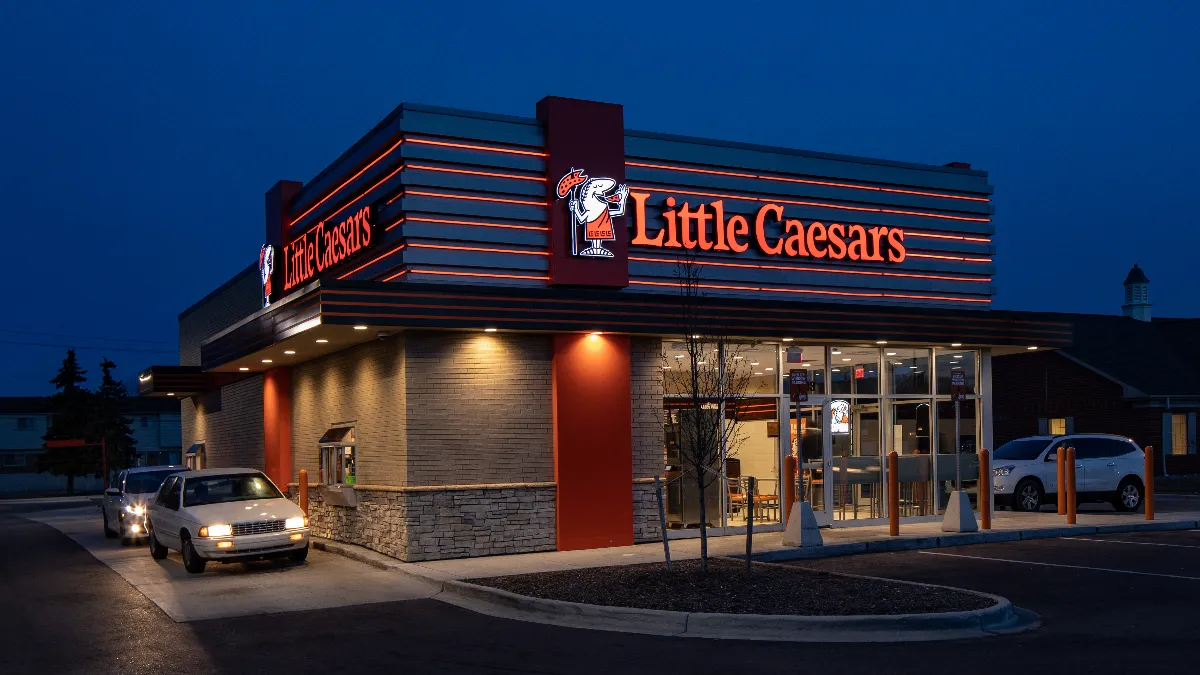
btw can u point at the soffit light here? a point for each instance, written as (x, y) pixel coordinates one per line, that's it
(787, 339)
(360, 328)
(1032, 348)
(489, 330)
(881, 342)
(891, 353)
(289, 352)
(170, 393)
(267, 361)
(321, 341)
(597, 332)
(955, 344)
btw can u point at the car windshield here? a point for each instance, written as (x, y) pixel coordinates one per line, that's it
(1026, 448)
(235, 487)
(147, 482)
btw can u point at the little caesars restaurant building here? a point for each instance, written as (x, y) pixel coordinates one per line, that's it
(461, 327)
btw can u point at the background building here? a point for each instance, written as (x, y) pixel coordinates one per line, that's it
(23, 423)
(1133, 375)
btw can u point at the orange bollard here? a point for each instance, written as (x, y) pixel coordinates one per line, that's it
(1062, 480)
(1149, 496)
(893, 494)
(985, 488)
(303, 486)
(1070, 466)
(789, 485)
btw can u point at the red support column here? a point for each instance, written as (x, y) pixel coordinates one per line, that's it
(593, 441)
(277, 425)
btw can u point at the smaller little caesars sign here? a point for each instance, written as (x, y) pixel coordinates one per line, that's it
(325, 246)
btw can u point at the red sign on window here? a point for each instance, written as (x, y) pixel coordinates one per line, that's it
(858, 372)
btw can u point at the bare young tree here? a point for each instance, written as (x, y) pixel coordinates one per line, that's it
(711, 378)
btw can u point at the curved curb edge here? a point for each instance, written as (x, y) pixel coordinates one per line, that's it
(1001, 618)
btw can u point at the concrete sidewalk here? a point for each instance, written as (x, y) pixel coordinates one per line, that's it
(1180, 513)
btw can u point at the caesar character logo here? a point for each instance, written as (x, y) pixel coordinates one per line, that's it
(266, 269)
(593, 203)
(839, 416)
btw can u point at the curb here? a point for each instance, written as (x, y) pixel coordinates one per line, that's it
(946, 540)
(1000, 618)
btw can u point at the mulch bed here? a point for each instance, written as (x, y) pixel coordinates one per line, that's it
(770, 589)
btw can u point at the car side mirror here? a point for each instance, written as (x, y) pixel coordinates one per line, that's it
(113, 492)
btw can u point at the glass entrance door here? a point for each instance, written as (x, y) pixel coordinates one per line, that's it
(856, 461)
(810, 445)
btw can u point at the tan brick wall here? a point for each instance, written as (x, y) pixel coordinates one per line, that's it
(234, 435)
(649, 459)
(479, 408)
(365, 385)
(238, 298)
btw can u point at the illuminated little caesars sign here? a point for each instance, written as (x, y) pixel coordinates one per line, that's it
(705, 227)
(325, 246)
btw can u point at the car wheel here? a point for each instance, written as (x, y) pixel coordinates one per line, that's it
(299, 555)
(1028, 496)
(157, 550)
(108, 531)
(1128, 496)
(192, 562)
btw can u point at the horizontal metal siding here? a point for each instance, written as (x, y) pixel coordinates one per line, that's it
(465, 184)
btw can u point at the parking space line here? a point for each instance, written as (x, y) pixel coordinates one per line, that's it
(1135, 543)
(1074, 567)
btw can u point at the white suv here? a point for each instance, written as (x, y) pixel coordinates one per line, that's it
(1107, 469)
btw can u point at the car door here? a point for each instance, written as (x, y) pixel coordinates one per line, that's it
(112, 503)
(1120, 459)
(165, 522)
(1089, 464)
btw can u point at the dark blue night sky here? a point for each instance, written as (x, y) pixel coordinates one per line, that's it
(137, 143)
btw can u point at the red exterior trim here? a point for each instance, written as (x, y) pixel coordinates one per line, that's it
(593, 441)
(277, 425)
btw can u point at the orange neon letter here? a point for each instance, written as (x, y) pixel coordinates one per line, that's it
(896, 240)
(719, 221)
(816, 235)
(859, 247)
(702, 218)
(672, 229)
(794, 246)
(737, 227)
(876, 252)
(837, 241)
(685, 223)
(639, 221)
(760, 230)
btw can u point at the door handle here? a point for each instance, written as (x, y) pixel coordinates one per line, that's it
(1111, 464)
(1078, 466)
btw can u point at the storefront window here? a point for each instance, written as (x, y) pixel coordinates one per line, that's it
(854, 370)
(760, 363)
(908, 370)
(968, 444)
(808, 445)
(911, 438)
(338, 450)
(956, 360)
(809, 358)
(749, 368)
(753, 452)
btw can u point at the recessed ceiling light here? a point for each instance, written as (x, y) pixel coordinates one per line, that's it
(837, 370)
(957, 356)
(754, 363)
(891, 353)
(768, 369)
(881, 342)
(1032, 349)
(955, 344)
(758, 373)
(267, 361)
(321, 341)
(666, 367)
(699, 363)
(289, 352)
(489, 330)
(738, 358)
(360, 328)
(243, 368)
(787, 339)
(897, 363)
(806, 365)
(847, 359)
(679, 356)
(837, 351)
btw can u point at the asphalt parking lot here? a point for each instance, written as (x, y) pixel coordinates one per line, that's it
(236, 589)
(1093, 593)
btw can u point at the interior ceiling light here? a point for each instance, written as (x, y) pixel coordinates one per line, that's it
(847, 359)
(754, 363)
(170, 393)
(837, 351)
(891, 353)
(666, 367)
(321, 341)
(758, 373)
(957, 356)
(806, 365)
(881, 342)
(243, 368)
(955, 344)
(699, 363)
(787, 339)
(267, 361)
(679, 356)
(1032, 348)
(768, 369)
(289, 352)
(837, 370)
(360, 328)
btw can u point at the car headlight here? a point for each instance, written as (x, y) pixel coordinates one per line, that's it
(136, 510)
(1002, 470)
(216, 531)
(295, 523)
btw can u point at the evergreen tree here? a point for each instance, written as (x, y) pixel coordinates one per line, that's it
(70, 405)
(108, 421)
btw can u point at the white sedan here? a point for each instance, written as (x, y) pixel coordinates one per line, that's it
(225, 515)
